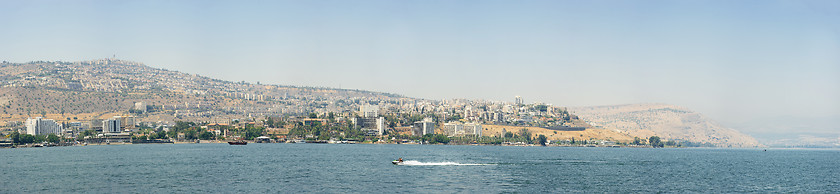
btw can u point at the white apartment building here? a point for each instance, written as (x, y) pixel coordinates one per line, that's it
(472, 129)
(423, 127)
(371, 125)
(458, 129)
(111, 126)
(453, 128)
(40, 126)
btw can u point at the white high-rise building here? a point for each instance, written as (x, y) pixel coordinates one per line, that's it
(39, 126)
(111, 126)
(380, 125)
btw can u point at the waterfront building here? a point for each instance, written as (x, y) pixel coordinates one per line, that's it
(96, 124)
(461, 129)
(111, 126)
(40, 126)
(421, 128)
(453, 128)
(370, 122)
(126, 122)
(472, 129)
(373, 126)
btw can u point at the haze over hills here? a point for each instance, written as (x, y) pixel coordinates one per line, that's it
(792, 131)
(666, 121)
(106, 87)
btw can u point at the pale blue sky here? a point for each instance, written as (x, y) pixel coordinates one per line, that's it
(735, 61)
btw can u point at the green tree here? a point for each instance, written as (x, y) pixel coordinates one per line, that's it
(26, 138)
(508, 135)
(637, 141)
(206, 136)
(252, 132)
(53, 138)
(15, 137)
(172, 134)
(436, 138)
(655, 142)
(190, 134)
(526, 134)
(88, 133)
(441, 138)
(542, 139)
(158, 135)
(270, 122)
(181, 125)
(40, 138)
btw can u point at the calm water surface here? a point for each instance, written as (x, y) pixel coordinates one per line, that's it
(220, 168)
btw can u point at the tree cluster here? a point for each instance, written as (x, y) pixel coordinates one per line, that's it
(436, 138)
(18, 138)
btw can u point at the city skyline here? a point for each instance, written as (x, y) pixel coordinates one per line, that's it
(733, 61)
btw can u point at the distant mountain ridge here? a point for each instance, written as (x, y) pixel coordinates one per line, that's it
(663, 120)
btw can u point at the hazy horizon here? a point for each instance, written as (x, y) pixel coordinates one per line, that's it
(742, 63)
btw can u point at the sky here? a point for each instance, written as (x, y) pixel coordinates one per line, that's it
(743, 63)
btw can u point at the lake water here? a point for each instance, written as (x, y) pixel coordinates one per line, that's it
(221, 168)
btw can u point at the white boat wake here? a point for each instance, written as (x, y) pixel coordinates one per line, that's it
(418, 163)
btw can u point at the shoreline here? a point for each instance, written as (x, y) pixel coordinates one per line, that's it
(512, 144)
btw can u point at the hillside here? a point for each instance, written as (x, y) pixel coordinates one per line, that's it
(91, 89)
(588, 134)
(666, 121)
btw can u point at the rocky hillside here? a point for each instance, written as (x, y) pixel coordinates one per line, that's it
(666, 121)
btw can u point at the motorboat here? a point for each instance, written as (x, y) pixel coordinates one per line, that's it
(240, 142)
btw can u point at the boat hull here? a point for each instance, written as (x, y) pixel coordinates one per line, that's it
(237, 143)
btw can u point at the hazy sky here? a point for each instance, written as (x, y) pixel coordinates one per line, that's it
(735, 61)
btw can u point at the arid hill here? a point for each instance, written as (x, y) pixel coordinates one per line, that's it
(666, 121)
(588, 134)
